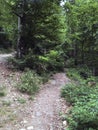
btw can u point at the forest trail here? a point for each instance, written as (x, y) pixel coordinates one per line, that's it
(40, 114)
(47, 105)
(4, 57)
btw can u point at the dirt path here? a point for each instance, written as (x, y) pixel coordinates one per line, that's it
(47, 105)
(40, 114)
(4, 57)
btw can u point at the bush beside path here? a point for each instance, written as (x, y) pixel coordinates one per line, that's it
(18, 111)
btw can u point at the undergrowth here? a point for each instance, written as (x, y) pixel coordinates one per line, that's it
(2, 91)
(29, 82)
(82, 94)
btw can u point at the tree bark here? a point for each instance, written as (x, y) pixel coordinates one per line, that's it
(19, 37)
(21, 31)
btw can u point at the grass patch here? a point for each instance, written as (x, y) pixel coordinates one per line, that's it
(2, 91)
(21, 100)
(31, 98)
(6, 103)
(7, 116)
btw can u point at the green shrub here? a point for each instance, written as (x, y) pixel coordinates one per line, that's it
(29, 61)
(73, 74)
(2, 91)
(21, 100)
(76, 92)
(79, 73)
(84, 72)
(51, 61)
(30, 82)
(6, 102)
(84, 116)
(84, 100)
(17, 63)
(84, 113)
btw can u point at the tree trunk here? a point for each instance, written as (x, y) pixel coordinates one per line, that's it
(19, 55)
(21, 26)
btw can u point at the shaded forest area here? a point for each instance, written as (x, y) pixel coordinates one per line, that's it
(50, 35)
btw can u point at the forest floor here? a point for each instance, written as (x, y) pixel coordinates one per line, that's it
(19, 112)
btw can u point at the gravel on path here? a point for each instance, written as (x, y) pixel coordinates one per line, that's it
(40, 114)
(47, 105)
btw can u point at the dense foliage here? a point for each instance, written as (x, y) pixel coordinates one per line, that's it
(82, 32)
(49, 36)
(8, 20)
(83, 96)
(41, 31)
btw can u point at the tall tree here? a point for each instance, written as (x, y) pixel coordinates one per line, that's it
(82, 21)
(37, 21)
(41, 27)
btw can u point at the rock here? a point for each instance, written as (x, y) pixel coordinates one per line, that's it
(65, 123)
(30, 128)
(38, 114)
(53, 82)
(51, 127)
(15, 99)
(25, 121)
